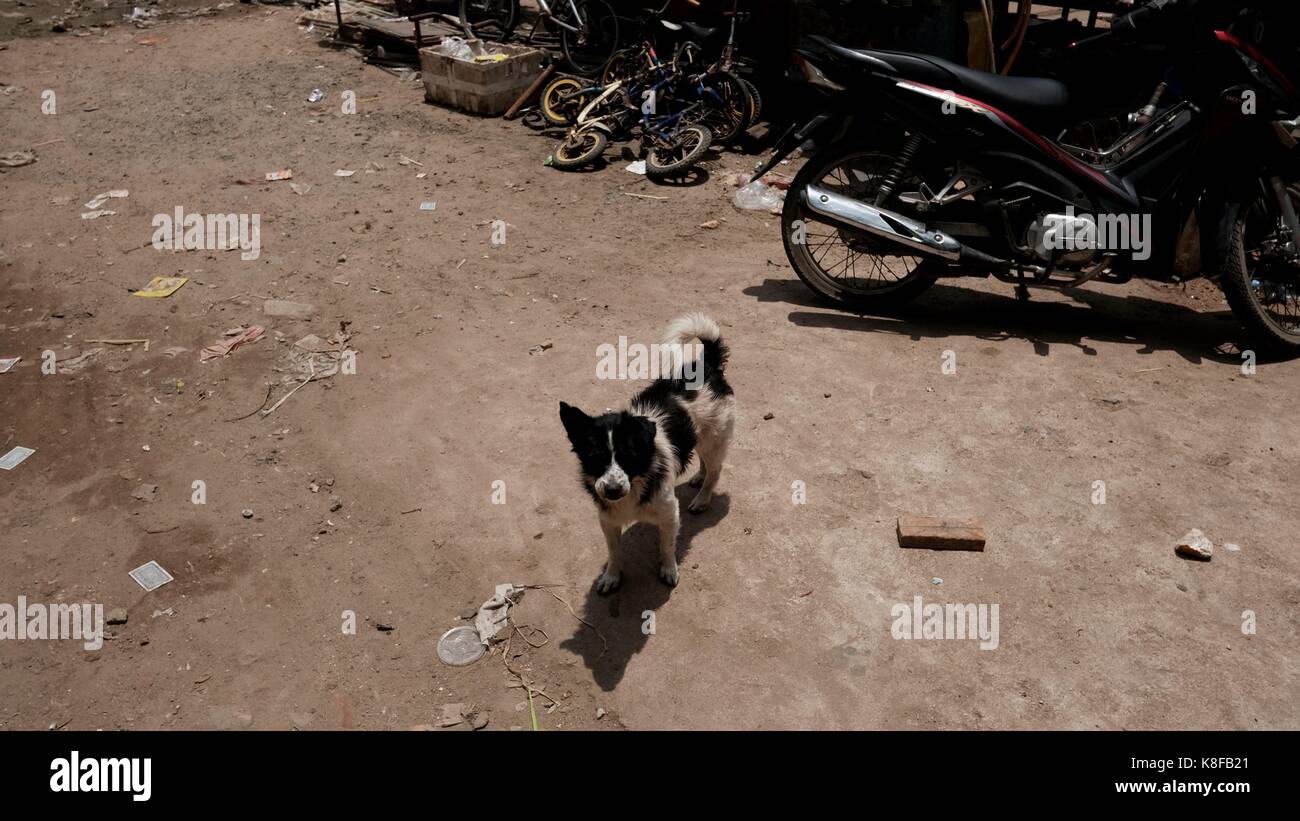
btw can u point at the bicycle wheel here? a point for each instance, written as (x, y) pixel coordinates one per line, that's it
(591, 47)
(489, 19)
(580, 149)
(563, 99)
(727, 107)
(664, 161)
(756, 102)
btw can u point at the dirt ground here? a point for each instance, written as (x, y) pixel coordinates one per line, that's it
(783, 615)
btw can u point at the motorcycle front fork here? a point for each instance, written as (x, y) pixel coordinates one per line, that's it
(1287, 209)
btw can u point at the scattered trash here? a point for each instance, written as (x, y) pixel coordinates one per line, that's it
(16, 158)
(76, 363)
(247, 513)
(15, 457)
(402, 159)
(493, 613)
(1196, 545)
(452, 714)
(7, 363)
(94, 215)
(286, 174)
(319, 358)
(428, 206)
(231, 339)
(936, 580)
(168, 612)
(758, 196)
(160, 287)
(460, 646)
(940, 534)
(1232, 548)
(315, 96)
(637, 167)
(145, 493)
(457, 48)
(299, 188)
(344, 172)
(536, 350)
(100, 199)
(151, 576)
(600, 713)
(710, 225)
(288, 309)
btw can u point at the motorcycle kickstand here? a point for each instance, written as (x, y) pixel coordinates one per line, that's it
(1022, 290)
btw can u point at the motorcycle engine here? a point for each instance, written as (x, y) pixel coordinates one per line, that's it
(1063, 238)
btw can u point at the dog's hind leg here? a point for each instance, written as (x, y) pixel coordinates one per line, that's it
(614, 568)
(669, 520)
(712, 451)
(701, 474)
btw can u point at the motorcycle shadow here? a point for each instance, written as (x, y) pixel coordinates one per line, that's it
(1093, 316)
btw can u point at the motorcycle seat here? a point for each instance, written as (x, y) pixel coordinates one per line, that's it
(1031, 96)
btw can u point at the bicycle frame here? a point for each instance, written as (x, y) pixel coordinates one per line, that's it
(550, 15)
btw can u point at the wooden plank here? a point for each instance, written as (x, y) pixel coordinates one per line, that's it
(937, 533)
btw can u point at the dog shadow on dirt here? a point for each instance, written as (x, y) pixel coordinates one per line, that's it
(623, 617)
(1151, 325)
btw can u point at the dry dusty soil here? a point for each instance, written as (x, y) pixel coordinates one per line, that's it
(783, 615)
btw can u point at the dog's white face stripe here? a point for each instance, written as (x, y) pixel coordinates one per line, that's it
(614, 479)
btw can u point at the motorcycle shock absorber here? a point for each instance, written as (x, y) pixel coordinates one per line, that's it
(898, 169)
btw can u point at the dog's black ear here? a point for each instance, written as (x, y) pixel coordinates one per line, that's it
(576, 423)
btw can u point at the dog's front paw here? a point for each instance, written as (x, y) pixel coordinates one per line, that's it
(608, 582)
(668, 573)
(699, 505)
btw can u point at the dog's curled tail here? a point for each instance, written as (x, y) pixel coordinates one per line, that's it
(685, 329)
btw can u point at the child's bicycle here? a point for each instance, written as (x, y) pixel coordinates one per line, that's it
(673, 143)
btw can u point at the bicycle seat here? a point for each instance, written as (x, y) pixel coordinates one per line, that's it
(1036, 96)
(696, 32)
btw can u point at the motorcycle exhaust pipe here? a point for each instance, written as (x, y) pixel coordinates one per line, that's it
(884, 223)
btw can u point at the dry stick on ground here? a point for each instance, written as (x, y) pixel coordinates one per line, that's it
(643, 196)
(122, 342)
(269, 388)
(229, 298)
(505, 660)
(309, 378)
(544, 587)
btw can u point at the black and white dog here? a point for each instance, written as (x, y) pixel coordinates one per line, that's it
(630, 461)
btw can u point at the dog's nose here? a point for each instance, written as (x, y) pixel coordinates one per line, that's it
(614, 493)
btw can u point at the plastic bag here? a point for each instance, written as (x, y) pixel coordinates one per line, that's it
(759, 196)
(457, 48)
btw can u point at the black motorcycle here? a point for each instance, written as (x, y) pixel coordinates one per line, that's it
(925, 169)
